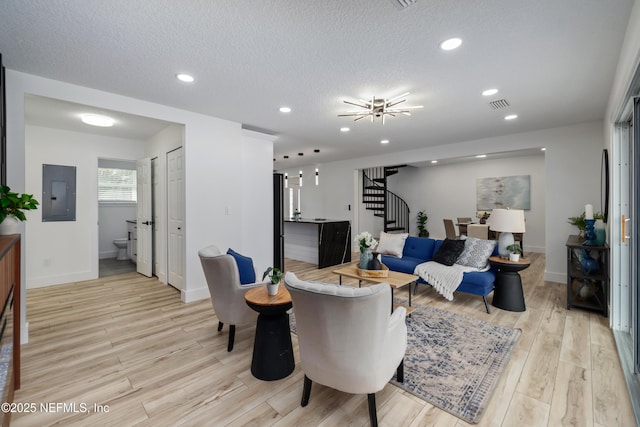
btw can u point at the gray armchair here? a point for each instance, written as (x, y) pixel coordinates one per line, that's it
(348, 338)
(227, 294)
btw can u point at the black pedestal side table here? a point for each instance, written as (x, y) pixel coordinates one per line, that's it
(272, 348)
(508, 294)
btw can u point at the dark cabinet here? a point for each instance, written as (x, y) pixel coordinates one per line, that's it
(334, 243)
(587, 275)
(9, 319)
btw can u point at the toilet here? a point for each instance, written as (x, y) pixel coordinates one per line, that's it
(121, 244)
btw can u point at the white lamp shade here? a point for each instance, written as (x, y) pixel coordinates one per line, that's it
(507, 220)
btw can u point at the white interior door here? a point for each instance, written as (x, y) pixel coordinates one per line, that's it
(157, 218)
(144, 226)
(175, 203)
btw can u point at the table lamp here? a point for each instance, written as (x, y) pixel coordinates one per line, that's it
(507, 222)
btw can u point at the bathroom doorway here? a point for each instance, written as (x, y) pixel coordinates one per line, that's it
(117, 205)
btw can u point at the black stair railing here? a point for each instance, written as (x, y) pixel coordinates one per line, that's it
(384, 203)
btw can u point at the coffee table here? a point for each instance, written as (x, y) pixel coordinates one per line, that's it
(395, 280)
(272, 348)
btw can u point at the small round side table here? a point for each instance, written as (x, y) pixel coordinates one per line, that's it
(508, 294)
(272, 348)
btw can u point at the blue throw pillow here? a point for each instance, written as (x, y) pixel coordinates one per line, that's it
(245, 267)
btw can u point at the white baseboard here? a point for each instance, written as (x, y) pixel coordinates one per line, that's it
(108, 254)
(24, 334)
(63, 279)
(550, 276)
(194, 294)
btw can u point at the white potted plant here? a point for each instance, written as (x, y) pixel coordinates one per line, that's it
(274, 275)
(12, 207)
(514, 252)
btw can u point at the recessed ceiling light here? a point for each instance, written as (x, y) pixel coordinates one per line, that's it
(511, 117)
(451, 44)
(543, 149)
(481, 156)
(384, 141)
(185, 78)
(300, 154)
(97, 120)
(489, 92)
(344, 129)
(285, 109)
(285, 156)
(434, 162)
(316, 150)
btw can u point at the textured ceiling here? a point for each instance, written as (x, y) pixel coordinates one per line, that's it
(554, 61)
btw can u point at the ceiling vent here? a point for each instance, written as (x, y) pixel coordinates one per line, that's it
(499, 104)
(403, 4)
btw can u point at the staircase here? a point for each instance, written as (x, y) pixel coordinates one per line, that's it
(387, 205)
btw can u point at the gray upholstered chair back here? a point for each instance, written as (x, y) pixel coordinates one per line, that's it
(227, 294)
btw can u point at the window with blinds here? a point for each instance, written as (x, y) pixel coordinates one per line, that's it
(117, 185)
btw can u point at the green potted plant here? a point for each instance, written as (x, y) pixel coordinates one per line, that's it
(422, 221)
(579, 221)
(514, 252)
(274, 275)
(296, 215)
(12, 207)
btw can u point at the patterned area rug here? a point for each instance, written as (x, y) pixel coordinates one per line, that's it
(453, 361)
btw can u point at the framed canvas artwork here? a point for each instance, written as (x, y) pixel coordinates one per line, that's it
(503, 192)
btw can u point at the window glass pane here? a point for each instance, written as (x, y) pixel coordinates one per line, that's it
(117, 185)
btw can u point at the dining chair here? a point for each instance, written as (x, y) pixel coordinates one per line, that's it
(480, 231)
(450, 229)
(462, 224)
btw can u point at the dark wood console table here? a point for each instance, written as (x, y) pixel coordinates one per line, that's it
(9, 319)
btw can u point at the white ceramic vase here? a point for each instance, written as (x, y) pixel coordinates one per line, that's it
(10, 225)
(514, 257)
(272, 289)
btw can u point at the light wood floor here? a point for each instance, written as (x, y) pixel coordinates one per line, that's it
(127, 344)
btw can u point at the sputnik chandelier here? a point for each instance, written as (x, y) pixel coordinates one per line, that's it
(379, 108)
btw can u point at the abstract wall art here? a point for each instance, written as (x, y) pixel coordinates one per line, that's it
(503, 192)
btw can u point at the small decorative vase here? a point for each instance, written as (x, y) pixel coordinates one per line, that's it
(588, 264)
(586, 290)
(601, 233)
(272, 288)
(365, 258)
(10, 225)
(483, 220)
(589, 233)
(374, 264)
(514, 257)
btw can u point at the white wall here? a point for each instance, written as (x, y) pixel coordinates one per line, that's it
(257, 206)
(67, 251)
(214, 151)
(572, 179)
(449, 191)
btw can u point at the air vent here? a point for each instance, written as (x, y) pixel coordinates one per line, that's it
(403, 4)
(499, 104)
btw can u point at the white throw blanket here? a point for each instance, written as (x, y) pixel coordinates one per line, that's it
(444, 279)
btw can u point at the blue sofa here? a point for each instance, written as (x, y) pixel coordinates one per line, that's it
(421, 249)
